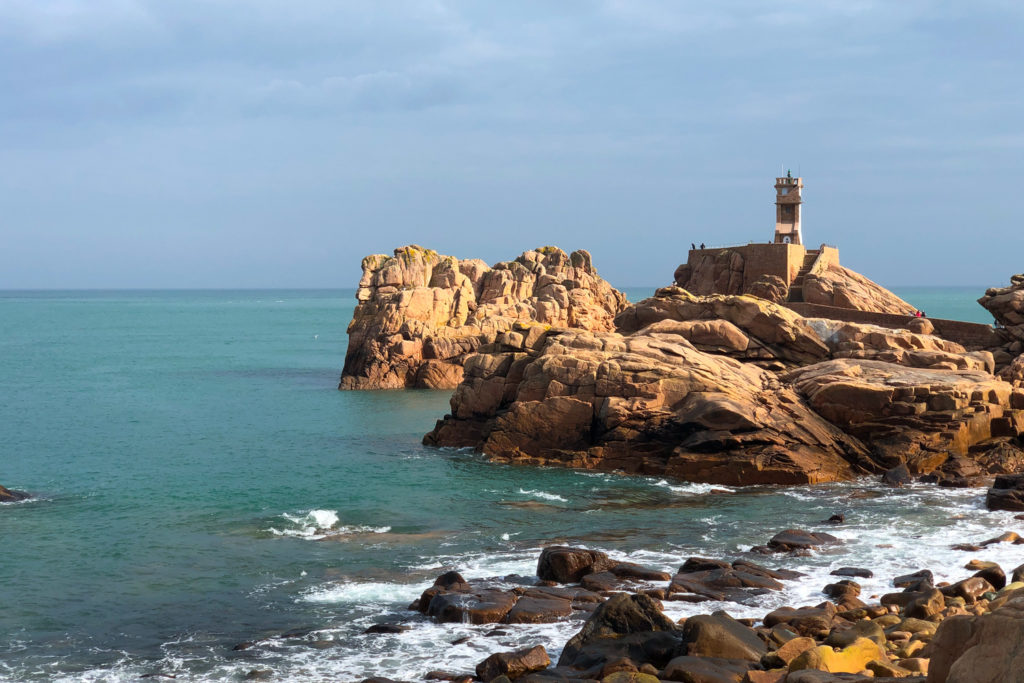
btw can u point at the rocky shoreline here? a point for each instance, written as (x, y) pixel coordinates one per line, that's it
(967, 631)
(730, 388)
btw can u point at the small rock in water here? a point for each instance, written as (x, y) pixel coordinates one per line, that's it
(897, 477)
(835, 519)
(460, 641)
(386, 628)
(443, 676)
(853, 571)
(792, 540)
(12, 496)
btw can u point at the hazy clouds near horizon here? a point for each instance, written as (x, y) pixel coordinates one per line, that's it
(206, 143)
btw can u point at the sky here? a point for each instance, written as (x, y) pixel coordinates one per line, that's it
(259, 143)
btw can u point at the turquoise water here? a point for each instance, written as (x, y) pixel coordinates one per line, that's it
(952, 303)
(200, 482)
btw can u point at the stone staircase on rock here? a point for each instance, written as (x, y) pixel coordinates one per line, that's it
(796, 288)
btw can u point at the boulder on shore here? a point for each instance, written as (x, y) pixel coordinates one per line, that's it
(1007, 493)
(421, 313)
(979, 649)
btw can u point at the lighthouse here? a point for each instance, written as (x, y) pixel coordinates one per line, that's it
(787, 209)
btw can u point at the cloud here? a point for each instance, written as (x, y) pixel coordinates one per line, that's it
(606, 124)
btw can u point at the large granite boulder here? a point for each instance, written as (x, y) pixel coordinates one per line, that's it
(910, 415)
(649, 403)
(630, 626)
(899, 346)
(420, 314)
(1007, 493)
(715, 271)
(746, 327)
(980, 649)
(513, 664)
(843, 288)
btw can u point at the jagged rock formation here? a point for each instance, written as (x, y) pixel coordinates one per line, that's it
(843, 288)
(687, 388)
(420, 313)
(1006, 304)
(650, 403)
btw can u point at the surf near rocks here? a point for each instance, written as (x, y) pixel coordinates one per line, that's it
(944, 631)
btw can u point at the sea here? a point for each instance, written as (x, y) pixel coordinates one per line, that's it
(209, 507)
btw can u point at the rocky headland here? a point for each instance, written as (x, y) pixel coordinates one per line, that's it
(550, 365)
(732, 390)
(421, 314)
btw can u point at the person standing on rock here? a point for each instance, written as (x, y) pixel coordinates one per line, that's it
(701, 245)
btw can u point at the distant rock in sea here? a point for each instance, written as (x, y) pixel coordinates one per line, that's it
(12, 496)
(420, 314)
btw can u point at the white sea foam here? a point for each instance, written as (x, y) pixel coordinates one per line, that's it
(691, 488)
(318, 524)
(875, 536)
(369, 592)
(544, 495)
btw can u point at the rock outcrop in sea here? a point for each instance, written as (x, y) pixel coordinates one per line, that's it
(12, 496)
(552, 366)
(736, 390)
(421, 314)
